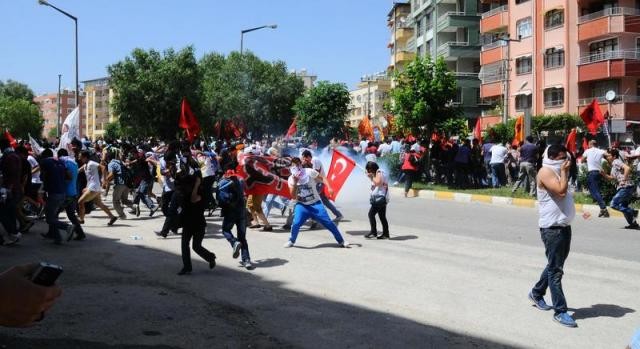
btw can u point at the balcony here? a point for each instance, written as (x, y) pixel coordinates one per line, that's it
(451, 21)
(453, 50)
(493, 52)
(402, 56)
(491, 89)
(611, 21)
(623, 107)
(467, 79)
(403, 34)
(607, 65)
(494, 20)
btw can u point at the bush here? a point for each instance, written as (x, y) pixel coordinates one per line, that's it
(392, 164)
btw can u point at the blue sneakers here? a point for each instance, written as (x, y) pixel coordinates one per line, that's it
(540, 303)
(565, 319)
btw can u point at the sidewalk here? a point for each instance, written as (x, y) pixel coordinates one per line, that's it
(493, 200)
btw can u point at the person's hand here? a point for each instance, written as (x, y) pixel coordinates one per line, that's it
(566, 166)
(330, 191)
(22, 302)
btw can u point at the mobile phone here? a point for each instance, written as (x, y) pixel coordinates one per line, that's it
(46, 274)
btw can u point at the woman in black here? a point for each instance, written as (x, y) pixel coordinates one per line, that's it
(378, 200)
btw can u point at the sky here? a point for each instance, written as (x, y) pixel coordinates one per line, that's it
(337, 40)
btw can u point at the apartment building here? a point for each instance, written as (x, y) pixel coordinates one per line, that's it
(450, 29)
(98, 97)
(556, 56)
(308, 79)
(369, 99)
(48, 105)
(402, 43)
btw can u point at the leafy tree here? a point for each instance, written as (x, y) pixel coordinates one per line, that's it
(112, 131)
(454, 127)
(149, 87)
(20, 116)
(322, 111)
(16, 90)
(422, 96)
(53, 133)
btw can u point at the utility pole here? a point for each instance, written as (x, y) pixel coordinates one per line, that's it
(505, 111)
(59, 102)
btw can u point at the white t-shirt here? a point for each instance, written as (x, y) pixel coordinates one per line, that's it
(594, 159)
(363, 146)
(384, 149)
(35, 176)
(498, 154)
(93, 176)
(307, 191)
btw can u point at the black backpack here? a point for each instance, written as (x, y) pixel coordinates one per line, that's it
(127, 175)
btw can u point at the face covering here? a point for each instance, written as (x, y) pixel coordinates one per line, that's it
(555, 165)
(300, 174)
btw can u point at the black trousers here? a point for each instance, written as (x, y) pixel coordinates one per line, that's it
(381, 211)
(197, 233)
(170, 205)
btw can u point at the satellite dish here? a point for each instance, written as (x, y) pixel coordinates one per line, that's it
(610, 96)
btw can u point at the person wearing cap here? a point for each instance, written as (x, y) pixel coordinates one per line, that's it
(302, 186)
(235, 214)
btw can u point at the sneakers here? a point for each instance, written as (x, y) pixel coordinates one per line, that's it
(152, 211)
(12, 240)
(160, 233)
(371, 235)
(383, 237)
(136, 209)
(236, 249)
(565, 319)
(540, 304)
(267, 228)
(112, 220)
(286, 227)
(248, 264)
(604, 213)
(633, 225)
(344, 244)
(288, 244)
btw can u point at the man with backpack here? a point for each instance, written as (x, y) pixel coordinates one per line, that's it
(122, 180)
(230, 197)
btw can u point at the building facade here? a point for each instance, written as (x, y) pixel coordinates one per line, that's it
(556, 56)
(98, 98)
(308, 79)
(402, 43)
(450, 29)
(48, 105)
(369, 98)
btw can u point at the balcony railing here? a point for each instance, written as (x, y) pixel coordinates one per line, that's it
(411, 45)
(450, 13)
(605, 56)
(495, 11)
(449, 44)
(497, 43)
(613, 11)
(465, 75)
(603, 100)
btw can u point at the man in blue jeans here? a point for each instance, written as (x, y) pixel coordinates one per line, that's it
(594, 156)
(234, 213)
(302, 185)
(621, 173)
(54, 175)
(556, 211)
(310, 162)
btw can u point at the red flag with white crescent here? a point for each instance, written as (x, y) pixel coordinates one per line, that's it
(339, 171)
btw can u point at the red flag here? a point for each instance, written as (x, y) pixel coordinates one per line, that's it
(519, 131)
(292, 129)
(231, 129)
(364, 128)
(339, 171)
(264, 174)
(477, 130)
(585, 144)
(592, 116)
(571, 141)
(188, 121)
(9, 137)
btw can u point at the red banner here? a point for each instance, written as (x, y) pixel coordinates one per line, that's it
(592, 116)
(339, 170)
(264, 174)
(477, 131)
(292, 130)
(9, 137)
(188, 121)
(571, 141)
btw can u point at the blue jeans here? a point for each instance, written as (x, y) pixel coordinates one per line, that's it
(141, 194)
(240, 221)
(557, 242)
(316, 211)
(498, 175)
(621, 201)
(593, 182)
(52, 208)
(272, 200)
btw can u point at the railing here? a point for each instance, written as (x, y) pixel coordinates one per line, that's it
(497, 43)
(496, 10)
(554, 103)
(411, 45)
(603, 99)
(465, 75)
(447, 45)
(491, 78)
(450, 13)
(604, 56)
(613, 11)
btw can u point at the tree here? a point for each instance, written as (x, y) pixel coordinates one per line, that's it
(454, 127)
(21, 117)
(149, 87)
(423, 95)
(16, 90)
(53, 133)
(260, 93)
(322, 111)
(112, 131)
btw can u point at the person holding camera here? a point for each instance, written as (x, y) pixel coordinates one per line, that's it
(378, 199)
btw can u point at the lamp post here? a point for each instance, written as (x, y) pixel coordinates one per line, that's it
(242, 32)
(75, 21)
(507, 40)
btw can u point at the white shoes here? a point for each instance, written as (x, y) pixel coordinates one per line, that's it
(344, 244)
(288, 244)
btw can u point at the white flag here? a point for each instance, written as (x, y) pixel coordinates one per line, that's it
(70, 129)
(35, 146)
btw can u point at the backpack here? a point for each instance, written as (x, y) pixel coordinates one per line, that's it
(127, 175)
(227, 193)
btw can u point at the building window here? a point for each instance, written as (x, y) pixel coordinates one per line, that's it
(518, 2)
(600, 88)
(553, 97)
(419, 27)
(523, 102)
(458, 97)
(554, 58)
(523, 65)
(603, 46)
(524, 28)
(553, 19)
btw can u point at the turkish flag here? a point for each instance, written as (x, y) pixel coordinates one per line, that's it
(264, 174)
(519, 131)
(477, 130)
(339, 171)
(9, 137)
(592, 116)
(571, 141)
(188, 121)
(292, 129)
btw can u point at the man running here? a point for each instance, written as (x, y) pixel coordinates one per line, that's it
(93, 190)
(232, 203)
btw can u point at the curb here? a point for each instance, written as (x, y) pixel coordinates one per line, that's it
(492, 200)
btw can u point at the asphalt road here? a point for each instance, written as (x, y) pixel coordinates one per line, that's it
(453, 275)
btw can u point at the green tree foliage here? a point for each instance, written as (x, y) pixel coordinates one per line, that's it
(112, 131)
(322, 111)
(16, 90)
(553, 124)
(149, 88)
(262, 94)
(422, 96)
(53, 133)
(454, 127)
(21, 117)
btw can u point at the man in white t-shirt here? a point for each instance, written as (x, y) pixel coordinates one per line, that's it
(498, 155)
(309, 161)
(363, 145)
(302, 184)
(93, 190)
(385, 148)
(594, 156)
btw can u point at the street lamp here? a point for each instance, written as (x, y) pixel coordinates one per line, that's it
(272, 26)
(75, 20)
(507, 40)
